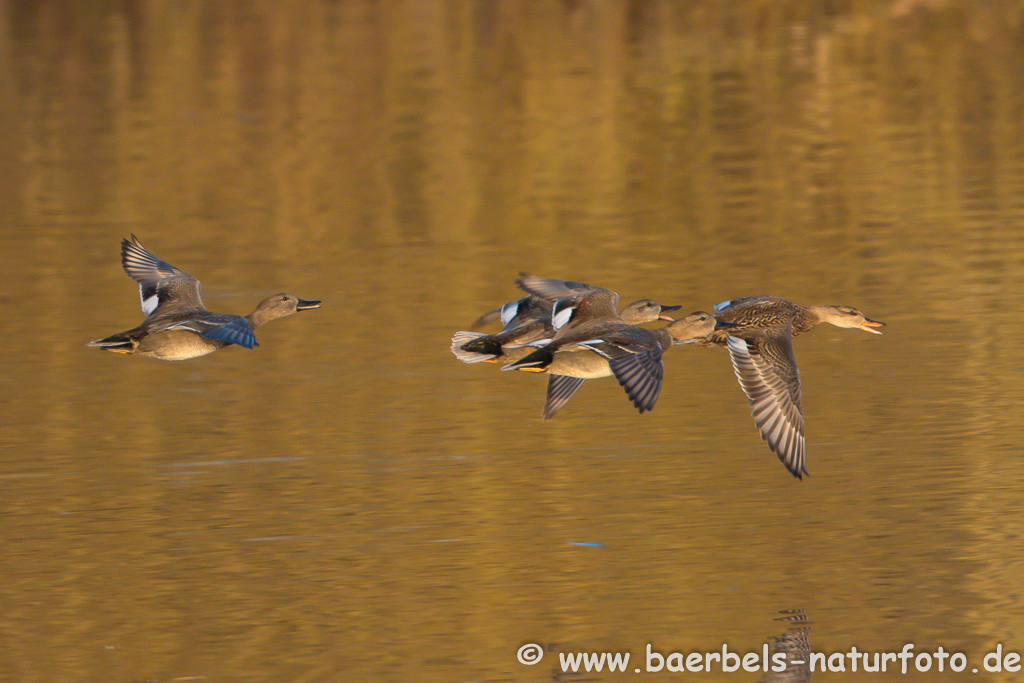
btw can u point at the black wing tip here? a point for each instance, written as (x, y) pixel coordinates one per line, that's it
(789, 464)
(792, 468)
(133, 251)
(561, 389)
(642, 384)
(549, 413)
(644, 401)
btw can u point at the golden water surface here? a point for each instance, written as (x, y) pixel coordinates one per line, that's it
(348, 502)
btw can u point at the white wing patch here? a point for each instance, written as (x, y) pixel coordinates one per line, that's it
(509, 311)
(562, 317)
(722, 306)
(149, 305)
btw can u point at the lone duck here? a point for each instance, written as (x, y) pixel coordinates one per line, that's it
(177, 324)
(533, 318)
(633, 354)
(760, 342)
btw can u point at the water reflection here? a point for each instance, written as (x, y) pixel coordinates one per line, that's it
(355, 504)
(795, 646)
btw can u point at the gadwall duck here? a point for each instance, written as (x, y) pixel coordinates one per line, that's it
(633, 354)
(576, 303)
(760, 342)
(533, 318)
(177, 325)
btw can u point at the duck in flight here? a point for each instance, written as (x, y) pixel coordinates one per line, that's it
(604, 346)
(589, 323)
(553, 309)
(177, 324)
(760, 342)
(530, 319)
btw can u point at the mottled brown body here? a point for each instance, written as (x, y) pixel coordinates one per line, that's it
(760, 342)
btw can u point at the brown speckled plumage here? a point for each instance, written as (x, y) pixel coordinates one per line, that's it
(761, 347)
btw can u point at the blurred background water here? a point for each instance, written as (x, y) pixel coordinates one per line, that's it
(349, 502)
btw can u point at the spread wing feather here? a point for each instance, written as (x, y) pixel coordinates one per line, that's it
(560, 389)
(160, 283)
(767, 372)
(641, 375)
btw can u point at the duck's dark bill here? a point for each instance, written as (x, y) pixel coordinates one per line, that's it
(668, 317)
(721, 324)
(303, 304)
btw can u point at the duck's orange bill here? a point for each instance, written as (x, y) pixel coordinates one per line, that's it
(869, 323)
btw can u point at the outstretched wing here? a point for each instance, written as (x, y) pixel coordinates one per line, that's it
(574, 303)
(551, 288)
(560, 389)
(160, 283)
(767, 372)
(641, 375)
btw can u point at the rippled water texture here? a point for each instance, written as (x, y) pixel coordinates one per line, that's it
(350, 503)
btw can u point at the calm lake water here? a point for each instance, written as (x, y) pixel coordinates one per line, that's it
(348, 502)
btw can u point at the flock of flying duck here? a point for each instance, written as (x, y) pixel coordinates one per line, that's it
(574, 332)
(569, 330)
